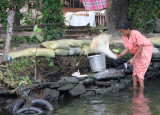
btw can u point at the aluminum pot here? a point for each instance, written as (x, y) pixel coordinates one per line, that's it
(97, 62)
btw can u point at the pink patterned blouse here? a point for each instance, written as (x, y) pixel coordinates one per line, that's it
(142, 61)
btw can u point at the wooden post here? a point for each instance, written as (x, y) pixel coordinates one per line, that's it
(10, 21)
(80, 2)
(70, 3)
(73, 3)
(107, 18)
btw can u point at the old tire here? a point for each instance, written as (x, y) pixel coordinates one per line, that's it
(29, 110)
(19, 104)
(43, 104)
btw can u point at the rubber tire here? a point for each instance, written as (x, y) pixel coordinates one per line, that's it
(19, 104)
(42, 102)
(22, 110)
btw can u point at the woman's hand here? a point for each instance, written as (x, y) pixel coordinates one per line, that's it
(131, 61)
(118, 56)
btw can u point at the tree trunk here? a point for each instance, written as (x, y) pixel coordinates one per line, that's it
(10, 20)
(118, 14)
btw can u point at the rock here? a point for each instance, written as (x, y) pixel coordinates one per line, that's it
(119, 86)
(103, 91)
(150, 74)
(88, 93)
(156, 56)
(34, 96)
(128, 71)
(113, 82)
(50, 94)
(54, 85)
(77, 90)
(125, 81)
(128, 77)
(150, 68)
(69, 80)
(88, 81)
(156, 66)
(9, 100)
(103, 83)
(66, 87)
(109, 74)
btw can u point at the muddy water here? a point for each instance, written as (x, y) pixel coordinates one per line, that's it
(126, 102)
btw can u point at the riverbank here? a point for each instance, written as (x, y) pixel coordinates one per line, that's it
(55, 82)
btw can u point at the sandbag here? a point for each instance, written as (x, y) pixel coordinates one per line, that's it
(32, 52)
(61, 52)
(86, 50)
(86, 42)
(155, 40)
(74, 43)
(58, 44)
(46, 44)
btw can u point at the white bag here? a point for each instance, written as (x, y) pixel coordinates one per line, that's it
(100, 43)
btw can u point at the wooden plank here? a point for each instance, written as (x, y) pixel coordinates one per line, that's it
(20, 34)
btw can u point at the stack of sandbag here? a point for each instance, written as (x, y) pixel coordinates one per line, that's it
(57, 48)
(60, 47)
(68, 46)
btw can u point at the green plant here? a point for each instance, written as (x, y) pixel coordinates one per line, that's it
(49, 60)
(35, 34)
(22, 80)
(6, 5)
(141, 14)
(20, 70)
(21, 66)
(52, 14)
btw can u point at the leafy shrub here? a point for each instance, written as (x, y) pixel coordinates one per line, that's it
(141, 14)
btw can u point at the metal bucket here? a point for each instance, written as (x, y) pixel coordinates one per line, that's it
(97, 62)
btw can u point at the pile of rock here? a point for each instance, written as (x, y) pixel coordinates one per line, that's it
(110, 80)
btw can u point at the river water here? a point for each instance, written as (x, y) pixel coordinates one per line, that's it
(125, 102)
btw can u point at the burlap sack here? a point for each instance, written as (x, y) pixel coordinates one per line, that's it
(61, 52)
(86, 50)
(33, 52)
(58, 44)
(86, 42)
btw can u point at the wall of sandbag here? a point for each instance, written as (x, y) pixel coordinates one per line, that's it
(56, 48)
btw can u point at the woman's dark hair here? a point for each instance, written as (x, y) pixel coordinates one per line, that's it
(124, 25)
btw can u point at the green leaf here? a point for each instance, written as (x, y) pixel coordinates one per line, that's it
(51, 64)
(115, 50)
(40, 38)
(31, 36)
(36, 29)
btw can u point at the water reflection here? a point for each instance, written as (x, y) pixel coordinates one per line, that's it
(140, 103)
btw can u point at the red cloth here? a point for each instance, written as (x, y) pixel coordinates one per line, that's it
(95, 4)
